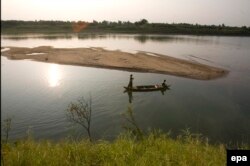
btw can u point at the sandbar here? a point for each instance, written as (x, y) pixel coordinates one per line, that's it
(109, 59)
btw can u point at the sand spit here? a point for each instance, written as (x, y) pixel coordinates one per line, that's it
(99, 57)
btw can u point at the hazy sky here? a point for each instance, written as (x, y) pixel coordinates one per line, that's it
(229, 12)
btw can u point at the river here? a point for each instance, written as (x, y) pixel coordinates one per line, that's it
(35, 95)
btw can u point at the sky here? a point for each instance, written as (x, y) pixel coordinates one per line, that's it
(209, 12)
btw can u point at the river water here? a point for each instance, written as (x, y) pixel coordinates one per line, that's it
(35, 95)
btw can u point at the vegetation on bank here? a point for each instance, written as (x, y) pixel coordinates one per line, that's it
(133, 147)
(154, 149)
(142, 26)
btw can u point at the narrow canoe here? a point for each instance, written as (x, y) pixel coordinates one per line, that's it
(145, 88)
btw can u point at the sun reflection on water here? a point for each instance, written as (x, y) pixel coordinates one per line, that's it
(54, 75)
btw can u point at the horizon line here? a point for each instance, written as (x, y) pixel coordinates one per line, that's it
(36, 20)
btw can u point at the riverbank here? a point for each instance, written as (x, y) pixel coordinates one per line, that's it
(154, 149)
(101, 58)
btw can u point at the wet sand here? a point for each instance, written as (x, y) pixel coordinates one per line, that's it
(99, 57)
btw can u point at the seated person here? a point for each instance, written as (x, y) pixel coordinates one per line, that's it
(164, 83)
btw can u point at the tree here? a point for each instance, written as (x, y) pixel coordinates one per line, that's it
(94, 22)
(80, 112)
(6, 128)
(104, 22)
(142, 22)
(131, 125)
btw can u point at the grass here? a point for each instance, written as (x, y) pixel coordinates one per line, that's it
(153, 149)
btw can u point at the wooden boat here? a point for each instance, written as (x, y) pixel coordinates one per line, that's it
(145, 88)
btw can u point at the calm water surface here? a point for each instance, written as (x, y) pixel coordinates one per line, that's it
(36, 95)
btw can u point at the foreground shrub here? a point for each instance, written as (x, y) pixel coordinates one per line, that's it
(154, 149)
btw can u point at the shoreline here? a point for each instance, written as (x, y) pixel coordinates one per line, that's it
(118, 60)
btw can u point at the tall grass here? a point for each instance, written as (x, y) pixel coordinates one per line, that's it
(153, 149)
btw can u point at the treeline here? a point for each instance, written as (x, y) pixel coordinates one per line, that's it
(142, 26)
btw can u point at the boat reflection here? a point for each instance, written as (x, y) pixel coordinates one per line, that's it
(130, 96)
(130, 93)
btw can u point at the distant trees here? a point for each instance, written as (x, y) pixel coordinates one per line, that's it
(142, 26)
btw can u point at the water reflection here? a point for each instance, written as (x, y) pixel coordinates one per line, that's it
(130, 94)
(141, 38)
(144, 38)
(38, 36)
(54, 75)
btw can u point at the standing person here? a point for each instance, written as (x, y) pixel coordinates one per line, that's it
(130, 84)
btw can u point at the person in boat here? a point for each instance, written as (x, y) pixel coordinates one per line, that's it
(130, 84)
(164, 84)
